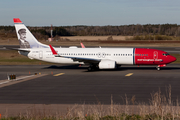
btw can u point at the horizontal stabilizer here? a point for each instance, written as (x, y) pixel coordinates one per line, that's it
(17, 49)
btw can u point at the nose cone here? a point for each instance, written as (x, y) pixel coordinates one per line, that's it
(172, 58)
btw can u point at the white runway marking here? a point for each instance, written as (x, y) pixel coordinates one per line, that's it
(20, 78)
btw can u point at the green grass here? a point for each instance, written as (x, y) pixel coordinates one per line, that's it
(12, 57)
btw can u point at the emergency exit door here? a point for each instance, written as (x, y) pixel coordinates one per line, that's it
(40, 54)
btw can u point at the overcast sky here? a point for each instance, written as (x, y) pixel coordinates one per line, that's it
(89, 12)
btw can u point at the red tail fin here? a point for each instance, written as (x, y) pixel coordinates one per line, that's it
(17, 20)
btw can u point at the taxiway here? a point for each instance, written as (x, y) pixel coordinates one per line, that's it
(72, 84)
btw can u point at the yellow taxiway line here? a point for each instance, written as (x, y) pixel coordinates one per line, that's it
(129, 74)
(59, 74)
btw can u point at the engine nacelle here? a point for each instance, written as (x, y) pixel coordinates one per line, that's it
(107, 64)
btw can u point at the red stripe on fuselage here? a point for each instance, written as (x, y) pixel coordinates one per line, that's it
(145, 56)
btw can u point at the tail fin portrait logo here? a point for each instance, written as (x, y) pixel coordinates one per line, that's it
(25, 37)
(22, 40)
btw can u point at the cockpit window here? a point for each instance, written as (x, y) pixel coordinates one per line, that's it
(165, 54)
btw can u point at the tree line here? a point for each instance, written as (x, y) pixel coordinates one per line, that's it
(125, 30)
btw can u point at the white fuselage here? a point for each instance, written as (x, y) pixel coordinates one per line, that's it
(120, 55)
(104, 58)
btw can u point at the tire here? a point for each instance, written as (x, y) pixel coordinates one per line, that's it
(89, 68)
(158, 68)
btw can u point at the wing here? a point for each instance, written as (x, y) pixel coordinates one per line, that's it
(85, 60)
(80, 59)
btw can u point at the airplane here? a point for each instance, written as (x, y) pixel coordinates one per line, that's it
(101, 58)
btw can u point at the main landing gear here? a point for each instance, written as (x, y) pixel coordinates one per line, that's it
(92, 67)
(159, 66)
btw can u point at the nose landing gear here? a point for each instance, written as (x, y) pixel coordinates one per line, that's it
(159, 66)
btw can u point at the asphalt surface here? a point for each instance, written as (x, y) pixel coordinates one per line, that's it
(73, 84)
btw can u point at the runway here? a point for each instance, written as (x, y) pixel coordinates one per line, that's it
(75, 85)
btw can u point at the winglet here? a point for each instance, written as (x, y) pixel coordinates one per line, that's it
(82, 45)
(53, 51)
(17, 20)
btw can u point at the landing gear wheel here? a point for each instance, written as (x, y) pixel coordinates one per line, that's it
(89, 68)
(92, 67)
(158, 68)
